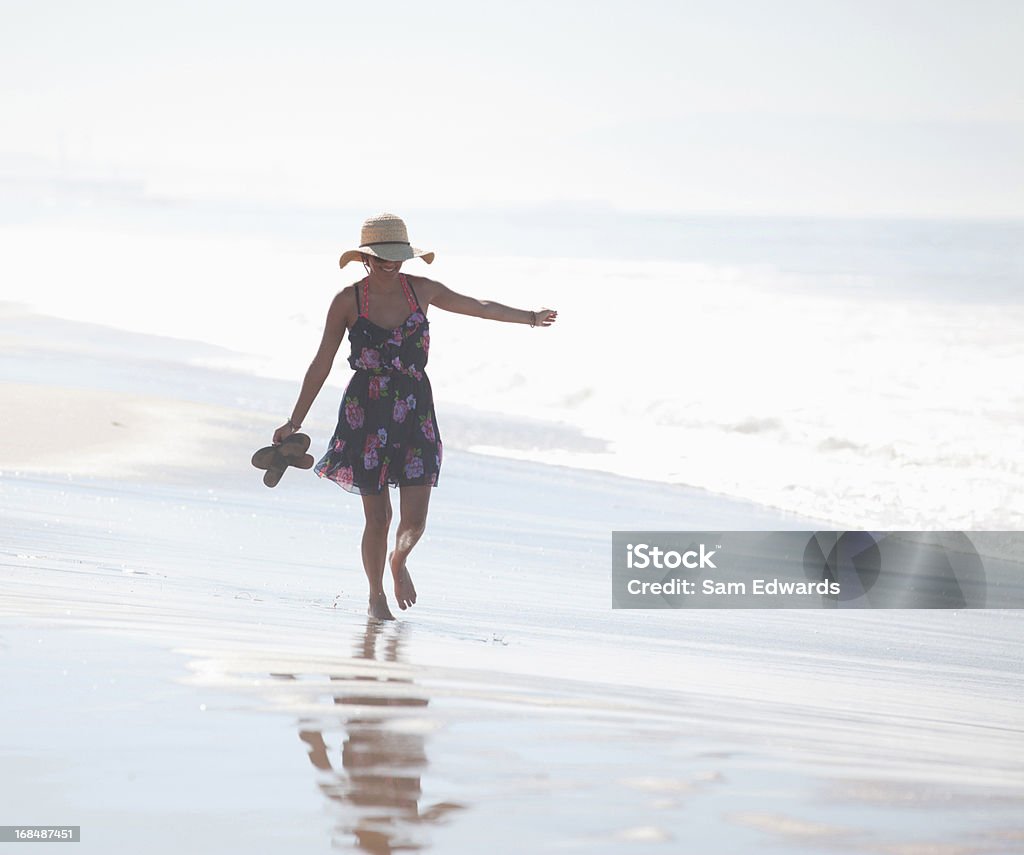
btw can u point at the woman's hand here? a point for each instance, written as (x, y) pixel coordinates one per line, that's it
(546, 317)
(283, 432)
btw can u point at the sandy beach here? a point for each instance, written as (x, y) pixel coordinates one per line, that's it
(189, 666)
(784, 247)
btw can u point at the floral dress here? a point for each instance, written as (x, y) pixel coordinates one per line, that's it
(387, 431)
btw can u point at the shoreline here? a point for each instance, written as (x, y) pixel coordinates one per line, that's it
(208, 416)
(158, 632)
(63, 430)
(192, 647)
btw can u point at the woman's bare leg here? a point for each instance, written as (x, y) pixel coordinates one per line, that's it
(413, 507)
(377, 510)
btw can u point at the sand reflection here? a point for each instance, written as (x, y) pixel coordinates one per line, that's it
(376, 780)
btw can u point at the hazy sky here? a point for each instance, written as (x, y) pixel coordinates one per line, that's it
(788, 107)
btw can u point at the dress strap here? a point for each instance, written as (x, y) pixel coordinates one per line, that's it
(364, 308)
(410, 295)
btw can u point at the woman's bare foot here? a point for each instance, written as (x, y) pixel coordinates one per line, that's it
(378, 607)
(405, 592)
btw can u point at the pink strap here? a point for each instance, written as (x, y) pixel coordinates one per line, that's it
(365, 308)
(408, 293)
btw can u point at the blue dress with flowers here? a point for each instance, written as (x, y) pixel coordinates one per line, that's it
(387, 431)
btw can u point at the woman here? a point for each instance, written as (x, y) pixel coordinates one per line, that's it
(387, 431)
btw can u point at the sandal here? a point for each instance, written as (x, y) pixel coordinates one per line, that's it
(276, 458)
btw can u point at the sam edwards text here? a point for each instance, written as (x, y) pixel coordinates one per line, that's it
(758, 587)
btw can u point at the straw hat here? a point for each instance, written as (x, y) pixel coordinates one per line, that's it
(385, 236)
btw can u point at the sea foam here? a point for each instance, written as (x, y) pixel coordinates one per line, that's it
(815, 392)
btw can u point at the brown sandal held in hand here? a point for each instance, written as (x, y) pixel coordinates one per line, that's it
(276, 458)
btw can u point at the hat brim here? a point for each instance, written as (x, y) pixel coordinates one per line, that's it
(386, 252)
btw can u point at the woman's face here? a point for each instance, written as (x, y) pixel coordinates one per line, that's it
(380, 267)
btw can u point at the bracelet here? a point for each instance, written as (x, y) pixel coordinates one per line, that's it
(533, 319)
(292, 424)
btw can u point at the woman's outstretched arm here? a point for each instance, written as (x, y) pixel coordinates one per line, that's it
(340, 317)
(445, 298)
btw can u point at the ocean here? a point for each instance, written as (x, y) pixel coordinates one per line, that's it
(865, 373)
(160, 600)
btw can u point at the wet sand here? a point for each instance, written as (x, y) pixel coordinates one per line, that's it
(193, 669)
